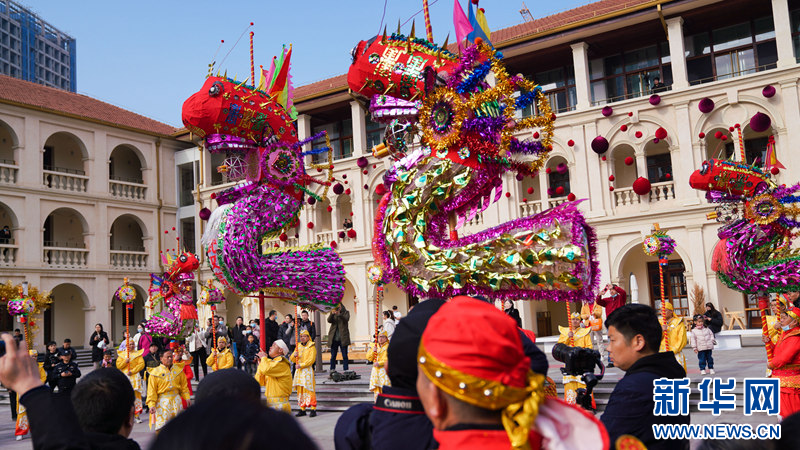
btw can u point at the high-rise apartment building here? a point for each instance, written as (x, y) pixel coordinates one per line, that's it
(33, 50)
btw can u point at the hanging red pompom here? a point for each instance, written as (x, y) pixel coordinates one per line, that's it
(311, 200)
(310, 225)
(724, 138)
(347, 191)
(731, 129)
(603, 158)
(334, 244)
(774, 171)
(329, 208)
(718, 134)
(629, 161)
(344, 176)
(366, 172)
(351, 214)
(283, 237)
(366, 186)
(571, 197)
(381, 189)
(338, 189)
(611, 178)
(661, 133)
(668, 176)
(641, 186)
(508, 194)
(530, 190)
(204, 214)
(536, 135)
(560, 190)
(351, 233)
(623, 128)
(611, 188)
(342, 235)
(524, 200)
(374, 166)
(630, 114)
(547, 170)
(638, 134)
(571, 143)
(702, 135)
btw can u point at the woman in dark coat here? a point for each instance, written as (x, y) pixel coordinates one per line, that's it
(511, 311)
(99, 342)
(714, 319)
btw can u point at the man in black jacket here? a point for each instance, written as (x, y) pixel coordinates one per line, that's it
(271, 328)
(306, 324)
(104, 403)
(634, 338)
(51, 359)
(238, 338)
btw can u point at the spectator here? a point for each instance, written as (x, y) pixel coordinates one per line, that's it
(251, 355)
(238, 339)
(271, 328)
(306, 324)
(98, 341)
(65, 373)
(703, 344)
(255, 327)
(634, 334)
(611, 298)
(104, 404)
(51, 359)
(388, 324)
(396, 314)
(196, 343)
(5, 235)
(151, 361)
(143, 339)
(108, 359)
(658, 86)
(167, 391)
(513, 312)
(215, 328)
(713, 318)
(339, 334)
(348, 224)
(286, 332)
(68, 346)
(18, 336)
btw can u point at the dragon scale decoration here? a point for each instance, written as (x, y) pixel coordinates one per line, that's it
(249, 125)
(469, 129)
(755, 252)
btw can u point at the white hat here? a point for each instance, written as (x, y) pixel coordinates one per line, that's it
(283, 346)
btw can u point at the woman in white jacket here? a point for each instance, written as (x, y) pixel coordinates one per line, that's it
(388, 323)
(702, 340)
(196, 343)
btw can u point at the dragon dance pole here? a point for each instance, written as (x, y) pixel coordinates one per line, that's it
(663, 303)
(428, 28)
(262, 339)
(569, 321)
(763, 305)
(252, 63)
(378, 301)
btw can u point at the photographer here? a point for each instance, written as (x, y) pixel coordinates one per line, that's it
(577, 337)
(634, 338)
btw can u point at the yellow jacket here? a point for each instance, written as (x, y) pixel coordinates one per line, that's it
(42, 373)
(382, 354)
(165, 381)
(135, 365)
(676, 333)
(308, 355)
(580, 337)
(276, 375)
(774, 335)
(224, 360)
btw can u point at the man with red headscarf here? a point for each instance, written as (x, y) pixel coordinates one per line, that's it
(478, 390)
(785, 363)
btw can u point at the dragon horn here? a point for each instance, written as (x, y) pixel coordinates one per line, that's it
(412, 29)
(398, 26)
(383, 38)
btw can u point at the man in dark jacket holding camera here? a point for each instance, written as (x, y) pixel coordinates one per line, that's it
(339, 334)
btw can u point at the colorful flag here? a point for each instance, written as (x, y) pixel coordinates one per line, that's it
(460, 21)
(266, 77)
(279, 83)
(480, 29)
(772, 156)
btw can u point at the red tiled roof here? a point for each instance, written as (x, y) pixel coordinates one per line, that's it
(16, 91)
(573, 16)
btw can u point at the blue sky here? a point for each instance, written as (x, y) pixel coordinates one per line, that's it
(149, 56)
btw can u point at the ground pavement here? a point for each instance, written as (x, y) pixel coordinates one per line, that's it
(746, 362)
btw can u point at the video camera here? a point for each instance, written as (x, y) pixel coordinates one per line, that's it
(579, 361)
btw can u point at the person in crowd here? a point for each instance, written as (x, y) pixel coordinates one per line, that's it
(238, 339)
(108, 359)
(361, 426)
(196, 343)
(304, 383)
(105, 404)
(256, 327)
(348, 224)
(713, 318)
(388, 323)
(271, 328)
(611, 298)
(144, 340)
(67, 345)
(306, 324)
(396, 314)
(286, 332)
(251, 350)
(676, 334)
(477, 387)
(658, 86)
(167, 391)
(18, 336)
(577, 337)
(214, 330)
(785, 363)
(221, 356)
(151, 362)
(22, 424)
(183, 361)
(5, 235)
(339, 334)
(634, 334)
(51, 358)
(123, 345)
(66, 373)
(98, 341)
(595, 325)
(702, 340)
(275, 374)
(131, 363)
(512, 311)
(377, 354)
(793, 298)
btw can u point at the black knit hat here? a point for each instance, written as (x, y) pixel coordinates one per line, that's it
(402, 353)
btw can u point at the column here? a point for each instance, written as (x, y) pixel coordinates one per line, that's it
(688, 158)
(677, 52)
(783, 33)
(593, 172)
(604, 259)
(542, 190)
(359, 129)
(791, 106)
(304, 131)
(697, 254)
(580, 60)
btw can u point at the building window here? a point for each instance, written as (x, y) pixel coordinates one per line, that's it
(674, 287)
(731, 51)
(659, 168)
(559, 86)
(558, 180)
(795, 17)
(755, 150)
(374, 133)
(341, 136)
(630, 74)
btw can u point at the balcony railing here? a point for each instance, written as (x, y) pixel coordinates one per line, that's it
(553, 202)
(530, 208)
(64, 182)
(662, 191)
(8, 172)
(290, 242)
(328, 236)
(658, 192)
(626, 197)
(8, 254)
(129, 260)
(65, 258)
(127, 191)
(325, 237)
(738, 73)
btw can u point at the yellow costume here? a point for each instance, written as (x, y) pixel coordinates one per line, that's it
(676, 334)
(132, 366)
(378, 378)
(276, 375)
(304, 381)
(22, 425)
(580, 338)
(165, 389)
(224, 360)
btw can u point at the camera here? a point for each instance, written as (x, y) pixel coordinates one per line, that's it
(579, 361)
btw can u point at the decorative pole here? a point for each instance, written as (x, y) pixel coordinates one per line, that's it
(763, 305)
(211, 296)
(428, 28)
(296, 334)
(661, 245)
(262, 338)
(126, 294)
(742, 154)
(252, 60)
(569, 322)
(23, 306)
(375, 276)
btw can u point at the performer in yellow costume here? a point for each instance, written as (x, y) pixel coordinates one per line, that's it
(220, 357)
(166, 386)
(275, 374)
(21, 427)
(676, 334)
(131, 363)
(304, 382)
(778, 305)
(378, 355)
(580, 338)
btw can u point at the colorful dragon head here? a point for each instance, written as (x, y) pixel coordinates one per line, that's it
(471, 131)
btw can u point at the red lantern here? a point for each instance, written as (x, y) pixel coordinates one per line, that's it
(702, 135)
(508, 194)
(381, 189)
(638, 134)
(284, 237)
(329, 208)
(642, 186)
(611, 188)
(560, 190)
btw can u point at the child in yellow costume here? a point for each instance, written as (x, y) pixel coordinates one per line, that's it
(220, 357)
(676, 334)
(275, 374)
(21, 427)
(304, 382)
(166, 386)
(580, 338)
(131, 363)
(378, 355)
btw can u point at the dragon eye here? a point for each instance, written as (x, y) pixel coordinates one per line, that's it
(183, 258)
(705, 168)
(215, 89)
